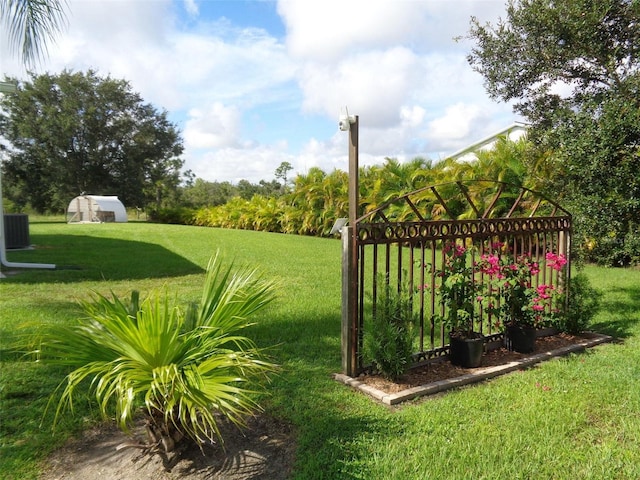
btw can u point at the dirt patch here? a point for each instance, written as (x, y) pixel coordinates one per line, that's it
(444, 370)
(264, 450)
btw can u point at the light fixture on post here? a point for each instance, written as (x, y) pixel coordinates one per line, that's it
(349, 123)
(345, 121)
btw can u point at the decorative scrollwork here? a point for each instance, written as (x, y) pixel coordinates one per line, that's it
(415, 232)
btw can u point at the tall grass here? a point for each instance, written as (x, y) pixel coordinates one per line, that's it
(572, 418)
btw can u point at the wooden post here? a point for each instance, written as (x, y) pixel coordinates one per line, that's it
(353, 172)
(350, 334)
(349, 304)
(564, 248)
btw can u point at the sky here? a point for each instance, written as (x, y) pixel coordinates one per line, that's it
(252, 84)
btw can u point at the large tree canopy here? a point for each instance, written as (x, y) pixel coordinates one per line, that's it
(572, 67)
(78, 132)
(551, 54)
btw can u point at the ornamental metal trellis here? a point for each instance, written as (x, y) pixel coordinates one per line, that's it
(402, 242)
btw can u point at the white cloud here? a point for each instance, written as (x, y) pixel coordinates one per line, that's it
(191, 7)
(412, 116)
(328, 29)
(454, 125)
(373, 84)
(235, 164)
(215, 127)
(249, 69)
(243, 96)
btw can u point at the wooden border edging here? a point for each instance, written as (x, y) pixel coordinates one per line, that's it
(479, 375)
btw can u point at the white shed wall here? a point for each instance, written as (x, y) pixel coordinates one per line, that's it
(96, 209)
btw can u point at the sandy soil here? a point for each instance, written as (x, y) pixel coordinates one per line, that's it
(265, 450)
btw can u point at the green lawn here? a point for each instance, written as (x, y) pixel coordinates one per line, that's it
(571, 418)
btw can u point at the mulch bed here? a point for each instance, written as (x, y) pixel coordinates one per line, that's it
(443, 369)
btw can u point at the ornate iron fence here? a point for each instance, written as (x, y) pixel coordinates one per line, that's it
(402, 242)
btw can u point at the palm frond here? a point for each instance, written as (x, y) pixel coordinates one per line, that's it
(30, 23)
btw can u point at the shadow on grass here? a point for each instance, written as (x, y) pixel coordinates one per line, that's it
(86, 258)
(334, 422)
(623, 312)
(20, 337)
(26, 426)
(312, 339)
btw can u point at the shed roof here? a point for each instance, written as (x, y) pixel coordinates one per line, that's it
(96, 208)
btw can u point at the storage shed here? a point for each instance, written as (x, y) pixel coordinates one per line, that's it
(96, 209)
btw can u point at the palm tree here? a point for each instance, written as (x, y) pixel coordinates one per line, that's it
(30, 23)
(180, 367)
(308, 197)
(384, 183)
(335, 189)
(505, 162)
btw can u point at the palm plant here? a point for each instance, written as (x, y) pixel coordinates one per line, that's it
(307, 196)
(184, 367)
(335, 189)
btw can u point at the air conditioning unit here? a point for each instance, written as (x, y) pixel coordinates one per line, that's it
(16, 231)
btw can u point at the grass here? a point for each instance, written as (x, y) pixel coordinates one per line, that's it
(573, 418)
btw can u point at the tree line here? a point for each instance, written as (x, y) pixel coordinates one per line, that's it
(78, 132)
(313, 201)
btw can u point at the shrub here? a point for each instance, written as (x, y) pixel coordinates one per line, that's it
(458, 291)
(177, 215)
(513, 292)
(388, 343)
(583, 304)
(182, 366)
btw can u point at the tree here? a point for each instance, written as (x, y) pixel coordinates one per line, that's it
(79, 132)
(589, 48)
(572, 67)
(207, 194)
(29, 23)
(281, 173)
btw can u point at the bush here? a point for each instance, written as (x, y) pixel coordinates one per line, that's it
(182, 367)
(583, 304)
(388, 343)
(177, 216)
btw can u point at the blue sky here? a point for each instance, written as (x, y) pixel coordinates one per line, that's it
(251, 84)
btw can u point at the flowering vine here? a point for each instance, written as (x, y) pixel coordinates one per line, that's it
(513, 296)
(502, 284)
(458, 290)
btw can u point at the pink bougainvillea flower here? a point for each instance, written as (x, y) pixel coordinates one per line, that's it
(543, 291)
(555, 262)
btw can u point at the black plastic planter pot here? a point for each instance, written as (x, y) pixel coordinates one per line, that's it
(466, 352)
(521, 338)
